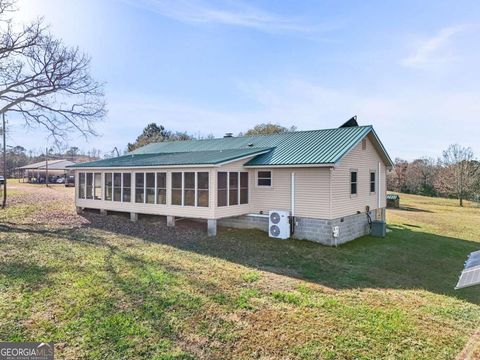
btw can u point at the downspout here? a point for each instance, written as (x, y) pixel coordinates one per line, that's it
(379, 190)
(292, 204)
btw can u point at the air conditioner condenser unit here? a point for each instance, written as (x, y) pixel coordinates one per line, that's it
(279, 224)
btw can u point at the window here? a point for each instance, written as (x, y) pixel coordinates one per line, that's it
(202, 189)
(233, 188)
(127, 187)
(244, 188)
(81, 187)
(189, 189)
(139, 187)
(89, 186)
(222, 189)
(150, 188)
(161, 188)
(117, 187)
(353, 182)
(97, 183)
(176, 188)
(264, 178)
(108, 186)
(372, 181)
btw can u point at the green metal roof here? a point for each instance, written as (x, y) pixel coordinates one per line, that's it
(211, 157)
(392, 197)
(314, 147)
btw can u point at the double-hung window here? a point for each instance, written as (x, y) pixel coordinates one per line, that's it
(373, 184)
(264, 178)
(353, 182)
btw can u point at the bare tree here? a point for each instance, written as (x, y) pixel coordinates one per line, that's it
(420, 176)
(397, 177)
(458, 173)
(46, 82)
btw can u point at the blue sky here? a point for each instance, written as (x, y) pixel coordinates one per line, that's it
(409, 68)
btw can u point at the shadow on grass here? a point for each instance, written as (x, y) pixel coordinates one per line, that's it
(26, 273)
(411, 208)
(405, 259)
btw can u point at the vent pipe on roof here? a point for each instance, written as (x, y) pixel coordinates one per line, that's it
(228, 135)
(352, 122)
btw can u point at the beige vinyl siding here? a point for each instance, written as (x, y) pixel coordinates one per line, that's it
(311, 192)
(363, 161)
(155, 209)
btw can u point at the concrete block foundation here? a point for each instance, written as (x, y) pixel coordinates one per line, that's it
(317, 230)
(212, 227)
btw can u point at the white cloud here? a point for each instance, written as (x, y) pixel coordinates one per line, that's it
(429, 51)
(236, 14)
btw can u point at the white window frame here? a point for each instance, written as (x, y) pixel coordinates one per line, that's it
(350, 183)
(370, 182)
(257, 178)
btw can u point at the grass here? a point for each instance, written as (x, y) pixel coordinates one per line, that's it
(113, 290)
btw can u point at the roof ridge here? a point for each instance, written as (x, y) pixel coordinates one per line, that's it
(260, 135)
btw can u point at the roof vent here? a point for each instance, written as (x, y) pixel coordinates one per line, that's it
(250, 144)
(351, 123)
(228, 135)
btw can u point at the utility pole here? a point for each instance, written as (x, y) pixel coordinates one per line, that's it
(4, 203)
(46, 166)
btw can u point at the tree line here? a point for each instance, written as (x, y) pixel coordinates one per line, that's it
(455, 174)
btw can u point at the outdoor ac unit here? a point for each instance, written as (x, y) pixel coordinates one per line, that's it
(279, 224)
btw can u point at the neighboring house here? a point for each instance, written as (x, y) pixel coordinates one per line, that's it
(324, 178)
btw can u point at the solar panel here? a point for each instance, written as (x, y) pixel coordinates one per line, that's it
(471, 273)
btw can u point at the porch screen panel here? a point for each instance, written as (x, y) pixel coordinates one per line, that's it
(108, 186)
(244, 188)
(81, 185)
(161, 188)
(233, 188)
(97, 182)
(127, 187)
(150, 188)
(89, 185)
(117, 187)
(222, 189)
(202, 189)
(139, 187)
(177, 188)
(189, 189)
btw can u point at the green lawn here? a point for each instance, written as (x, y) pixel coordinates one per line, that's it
(102, 287)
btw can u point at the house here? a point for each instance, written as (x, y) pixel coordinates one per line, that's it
(332, 182)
